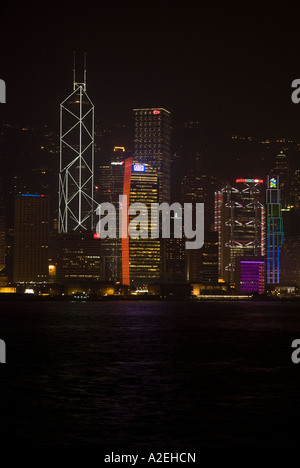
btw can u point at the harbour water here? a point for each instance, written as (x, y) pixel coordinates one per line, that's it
(148, 375)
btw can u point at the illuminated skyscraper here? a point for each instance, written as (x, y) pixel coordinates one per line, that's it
(275, 234)
(125, 222)
(197, 187)
(78, 257)
(282, 170)
(2, 227)
(152, 145)
(240, 223)
(78, 252)
(295, 188)
(76, 175)
(141, 261)
(31, 239)
(111, 179)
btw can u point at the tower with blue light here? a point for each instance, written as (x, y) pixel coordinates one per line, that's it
(275, 236)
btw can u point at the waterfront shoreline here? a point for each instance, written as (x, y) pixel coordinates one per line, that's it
(7, 297)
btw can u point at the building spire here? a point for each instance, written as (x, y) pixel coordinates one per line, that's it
(83, 84)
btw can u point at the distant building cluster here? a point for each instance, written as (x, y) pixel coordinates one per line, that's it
(251, 241)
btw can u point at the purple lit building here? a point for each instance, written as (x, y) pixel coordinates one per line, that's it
(251, 275)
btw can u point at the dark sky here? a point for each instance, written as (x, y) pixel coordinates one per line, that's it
(228, 67)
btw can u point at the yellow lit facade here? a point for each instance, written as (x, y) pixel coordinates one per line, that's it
(52, 273)
(119, 148)
(31, 241)
(144, 254)
(8, 289)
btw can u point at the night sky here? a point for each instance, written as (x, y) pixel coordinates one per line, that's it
(226, 67)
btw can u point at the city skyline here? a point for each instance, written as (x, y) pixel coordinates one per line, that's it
(175, 109)
(149, 228)
(197, 185)
(196, 193)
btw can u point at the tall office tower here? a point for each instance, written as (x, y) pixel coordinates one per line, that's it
(144, 253)
(240, 223)
(173, 256)
(290, 262)
(31, 239)
(282, 170)
(76, 175)
(111, 178)
(275, 236)
(2, 237)
(152, 145)
(203, 267)
(295, 188)
(196, 187)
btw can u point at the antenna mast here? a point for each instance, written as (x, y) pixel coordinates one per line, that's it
(84, 72)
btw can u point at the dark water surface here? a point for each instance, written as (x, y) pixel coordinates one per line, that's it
(176, 375)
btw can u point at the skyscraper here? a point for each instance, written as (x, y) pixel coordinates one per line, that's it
(152, 145)
(275, 234)
(202, 267)
(282, 170)
(78, 257)
(240, 223)
(125, 222)
(141, 260)
(31, 239)
(76, 174)
(78, 252)
(144, 254)
(111, 178)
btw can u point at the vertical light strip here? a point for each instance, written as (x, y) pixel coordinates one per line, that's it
(80, 158)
